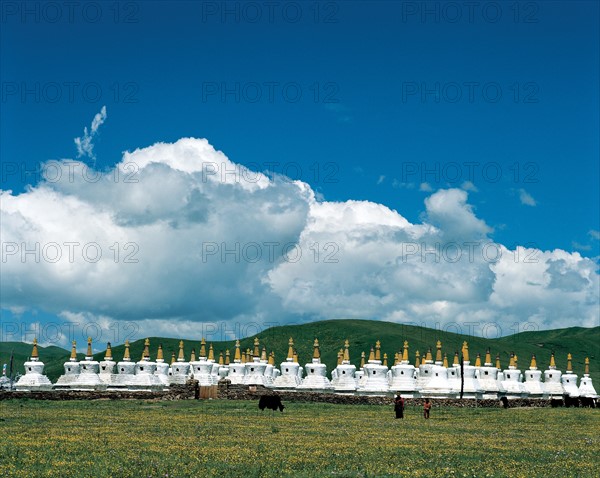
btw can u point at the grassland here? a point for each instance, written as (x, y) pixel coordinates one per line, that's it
(230, 439)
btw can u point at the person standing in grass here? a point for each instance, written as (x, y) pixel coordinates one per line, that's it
(426, 408)
(399, 406)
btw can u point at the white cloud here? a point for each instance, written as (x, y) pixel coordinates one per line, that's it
(469, 186)
(594, 234)
(210, 240)
(381, 179)
(425, 187)
(85, 146)
(526, 198)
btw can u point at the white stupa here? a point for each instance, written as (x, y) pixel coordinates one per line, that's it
(425, 371)
(487, 376)
(586, 388)
(4, 380)
(438, 386)
(376, 380)
(162, 368)
(71, 367)
(513, 386)
(359, 376)
(454, 375)
(107, 366)
(343, 380)
(404, 375)
(291, 375)
(145, 372)
(533, 380)
(89, 370)
(275, 372)
(223, 364)
(255, 368)
(269, 370)
(569, 380)
(316, 374)
(180, 370)
(471, 386)
(203, 368)
(124, 379)
(237, 369)
(552, 380)
(34, 378)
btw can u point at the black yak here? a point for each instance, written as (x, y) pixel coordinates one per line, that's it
(272, 402)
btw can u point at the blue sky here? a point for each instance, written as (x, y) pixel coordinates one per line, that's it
(388, 103)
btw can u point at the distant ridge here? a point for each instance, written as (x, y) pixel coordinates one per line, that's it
(362, 334)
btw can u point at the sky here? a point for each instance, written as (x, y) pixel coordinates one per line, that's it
(244, 164)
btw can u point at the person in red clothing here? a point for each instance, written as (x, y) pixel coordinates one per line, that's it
(426, 408)
(399, 406)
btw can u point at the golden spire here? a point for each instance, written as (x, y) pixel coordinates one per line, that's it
(569, 365)
(478, 360)
(34, 351)
(424, 360)
(290, 354)
(126, 356)
(378, 350)
(108, 354)
(552, 362)
(429, 357)
(89, 349)
(465, 351)
(159, 354)
(221, 361)
(346, 351)
(511, 363)
(340, 356)
(238, 356)
(445, 361)
(73, 351)
(172, 358)
(248, 355)
(533, 364)
(456, 359)
(516, 361)
(181, 357)
(227, 357)
(256, 347)
(295, 356)
(362, 359)
(371, 355)
(211, 352)
(396, 358)
(203, 347)
(263, 355)
(243, 358)
(488, 357)
(405, 352)
(316, 351)
(385, 360)
(272, 358)
(587, 366)
(498, 366)
(146, 352)
(438, 353)
(193, 355)
(417, 359)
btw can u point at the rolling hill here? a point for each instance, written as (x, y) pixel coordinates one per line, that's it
(362, 334)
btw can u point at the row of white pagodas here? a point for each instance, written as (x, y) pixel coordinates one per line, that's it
(250, 367)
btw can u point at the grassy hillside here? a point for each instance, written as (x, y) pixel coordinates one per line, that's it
(581, 342)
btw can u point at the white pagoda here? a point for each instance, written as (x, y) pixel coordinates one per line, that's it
(438, 385)
(237, 369)
(376, 380)
(552, 380)
(569, 380)
(107, 366)
(255, 368)
(145, 372)
(291, 372)
(180, 369)
(71, 367)
(343, 376)
(403, 379)
(471, 386)
(124, 379)
(162, 368)
(34, 378)
(424, 370)
(203, 368)
(586, 388)
(487, 376)
(533, 380)
(89, 370)
(513, 386)
(316, 374)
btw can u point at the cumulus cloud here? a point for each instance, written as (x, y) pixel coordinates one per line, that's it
(526, 198)
(177, 238)
(84, 144)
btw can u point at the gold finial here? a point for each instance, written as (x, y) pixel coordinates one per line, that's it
(272, 358)
(263, 354)
(396, 358)
(146, 353)
(173, 358)
(193, 355)
(362, 359)
(340, 357)
(417, 359)
(211, 353)
(569, 365)
(181, 357)
(511, 362)
(587, 366)
(227, 357)
(256, 347)
(346, 351)
(445, 361)
(438, 353)
(243, 359)
(126, 356)
(203, 347)
(552, 361)
(456, 360)
(159, 354)
(424, 360)
(478, 360)
(533, 364)
(108, 354)
(316, 351)
(378, 350)
(488, 357)
(34, 350)
(385, 360)
(221, 360)
(405, 352)
(73, 350)
(498, 366)
(238, 356)
(516, 361)
(371, 355)
(465, 351)
(295, 356)
(89, 349)
(429, 358)
(290, 354)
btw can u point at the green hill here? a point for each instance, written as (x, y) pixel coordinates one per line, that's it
(362, 334)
